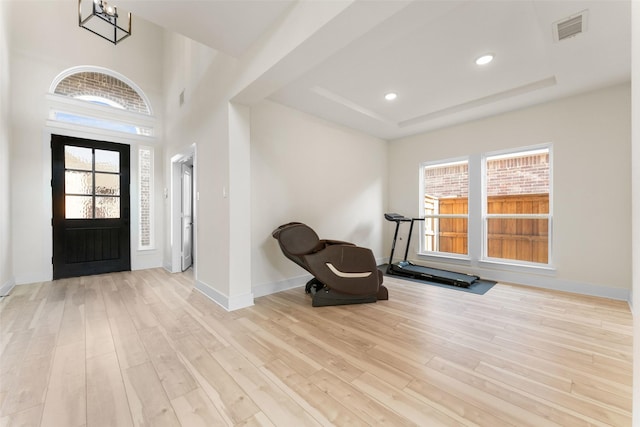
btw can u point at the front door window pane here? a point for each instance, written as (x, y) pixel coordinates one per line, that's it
(78, 207)
(107, 207)
(79, 158)
(107, 161)
(107, 184)
(77, 182)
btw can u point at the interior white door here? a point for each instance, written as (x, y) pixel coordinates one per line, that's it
(187, 216)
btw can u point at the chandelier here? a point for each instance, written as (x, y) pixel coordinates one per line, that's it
(103, 21)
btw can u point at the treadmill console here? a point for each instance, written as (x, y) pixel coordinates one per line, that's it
(396, 217)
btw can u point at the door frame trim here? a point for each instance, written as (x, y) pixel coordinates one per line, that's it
(46, 274)
(64, 228)
(174, 264)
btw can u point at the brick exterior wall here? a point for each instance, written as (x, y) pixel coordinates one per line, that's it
(447, 181)
(518, 175)
(104, 86)
(514, 175)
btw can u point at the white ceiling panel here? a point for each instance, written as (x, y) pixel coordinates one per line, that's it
(424, 51)
(229, 26)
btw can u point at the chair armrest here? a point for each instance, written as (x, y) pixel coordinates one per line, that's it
(330, 242)
(346, 268)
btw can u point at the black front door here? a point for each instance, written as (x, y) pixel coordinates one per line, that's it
(90, 188)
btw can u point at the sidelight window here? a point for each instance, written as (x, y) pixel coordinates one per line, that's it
(145, 188)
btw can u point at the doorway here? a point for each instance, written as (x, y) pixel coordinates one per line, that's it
(91, 207)
(183, 193)
(186, 258)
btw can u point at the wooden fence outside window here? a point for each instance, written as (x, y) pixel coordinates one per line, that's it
(523, 239)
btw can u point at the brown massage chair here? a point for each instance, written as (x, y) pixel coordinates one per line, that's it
(343, 272)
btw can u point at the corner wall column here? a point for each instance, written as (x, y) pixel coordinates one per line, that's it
(239, 194)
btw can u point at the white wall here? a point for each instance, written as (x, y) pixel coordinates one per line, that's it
(635, 198)
(214, 119)
(591, 182)
(6, 267)
(202, 120)
(310, 170)
(53, 44)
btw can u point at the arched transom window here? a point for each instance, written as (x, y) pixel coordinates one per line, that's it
(88, 97)
(102, 89)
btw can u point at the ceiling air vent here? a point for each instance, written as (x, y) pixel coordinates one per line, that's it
(571, 26)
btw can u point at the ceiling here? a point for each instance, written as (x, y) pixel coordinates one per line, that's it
(424, 51)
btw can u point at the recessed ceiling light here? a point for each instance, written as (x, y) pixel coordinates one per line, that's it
(484, 59)
(391, 96)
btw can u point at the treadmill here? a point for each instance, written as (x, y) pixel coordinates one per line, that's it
(407, 269)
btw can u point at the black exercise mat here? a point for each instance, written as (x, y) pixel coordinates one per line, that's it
(479, 287)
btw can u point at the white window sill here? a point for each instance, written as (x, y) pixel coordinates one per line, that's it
(508, 265)
(445, 257)
(489, 264)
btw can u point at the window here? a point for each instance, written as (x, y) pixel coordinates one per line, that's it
(94, 122)
(145, 182)
(445, 202)
(104, 89)
(98, 98)
(92, 183)
(517, 210)
(494, 207)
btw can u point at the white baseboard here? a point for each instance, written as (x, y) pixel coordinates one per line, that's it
(229, 304)
(26, 279)
(543, 279)
(240, 301)
(6, 288)
(281, 285)
(145, 264)
(553, 283)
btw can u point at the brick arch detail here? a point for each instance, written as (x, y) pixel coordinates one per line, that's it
(102, 83)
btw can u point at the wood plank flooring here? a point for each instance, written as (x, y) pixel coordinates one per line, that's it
(145, 349)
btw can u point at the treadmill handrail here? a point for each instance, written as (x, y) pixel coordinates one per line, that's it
(396, 269)
(398, 218)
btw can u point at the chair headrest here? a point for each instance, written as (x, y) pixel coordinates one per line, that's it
(297, 238)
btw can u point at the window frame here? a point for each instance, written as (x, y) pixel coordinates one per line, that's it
(422, 249)
(106, 71)
(477, 216)
(76, 114)
(81, 114)
(485, 216)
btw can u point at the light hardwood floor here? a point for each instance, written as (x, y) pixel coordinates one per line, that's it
(145, 348)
